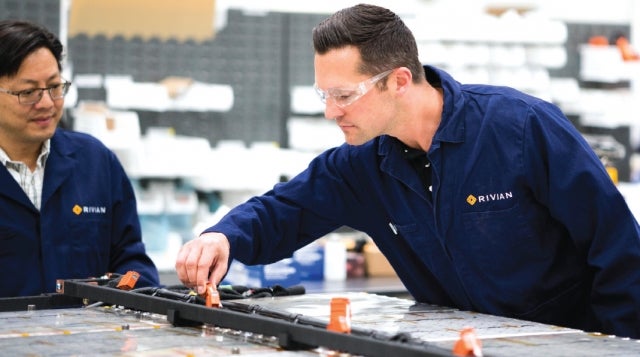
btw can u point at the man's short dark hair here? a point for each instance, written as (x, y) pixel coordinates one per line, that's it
(18, 39)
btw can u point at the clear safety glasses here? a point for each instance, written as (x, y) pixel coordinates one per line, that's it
(343, 97)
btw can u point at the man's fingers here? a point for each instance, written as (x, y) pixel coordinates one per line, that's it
(189, 264)
(218, 272)
(181, 264)
(203, 267)
(202, 260)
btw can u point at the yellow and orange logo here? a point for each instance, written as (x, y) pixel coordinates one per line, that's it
(471, 199)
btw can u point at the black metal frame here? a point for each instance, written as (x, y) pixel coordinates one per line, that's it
(292, 335)
(40, 302)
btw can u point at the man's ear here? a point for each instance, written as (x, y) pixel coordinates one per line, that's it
(403, 79)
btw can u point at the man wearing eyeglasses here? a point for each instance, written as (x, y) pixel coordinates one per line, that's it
(481, 197)
(67, 209)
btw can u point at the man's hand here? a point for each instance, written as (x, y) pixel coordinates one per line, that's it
(204, 259)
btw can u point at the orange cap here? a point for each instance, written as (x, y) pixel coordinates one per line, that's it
(211, 296)
(340, 320)
(598, 41)
(468, 344)
(626, 50)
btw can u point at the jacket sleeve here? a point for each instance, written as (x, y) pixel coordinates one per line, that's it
(568, 178)
(272, 226)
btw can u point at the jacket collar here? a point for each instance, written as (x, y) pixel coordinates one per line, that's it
(60, 164)
(451, 130)
(451, 127)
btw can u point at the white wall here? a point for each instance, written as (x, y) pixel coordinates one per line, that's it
(588, 11)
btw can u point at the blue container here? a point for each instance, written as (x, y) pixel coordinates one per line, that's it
(284, 273)
(310, 262)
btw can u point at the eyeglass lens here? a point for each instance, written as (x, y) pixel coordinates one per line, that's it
(343, 98)
(34, 96)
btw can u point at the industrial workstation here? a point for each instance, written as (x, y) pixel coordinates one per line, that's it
(422, 177)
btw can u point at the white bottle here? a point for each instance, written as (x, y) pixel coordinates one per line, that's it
(335, 258)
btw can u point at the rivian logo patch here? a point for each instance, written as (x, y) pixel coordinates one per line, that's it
(77, 209)
(472, 199)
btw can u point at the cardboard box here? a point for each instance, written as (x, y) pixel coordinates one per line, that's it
(376, 263)
(179, 20)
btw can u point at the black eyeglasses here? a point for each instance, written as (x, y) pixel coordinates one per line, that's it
(34, 95)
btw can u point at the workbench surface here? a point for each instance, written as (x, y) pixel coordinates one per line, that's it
(111, 330)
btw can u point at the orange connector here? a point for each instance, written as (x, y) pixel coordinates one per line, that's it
(598, 41)
(211, 296)
(468, 344)
(128, 281)
(340, 320)
(626, 50)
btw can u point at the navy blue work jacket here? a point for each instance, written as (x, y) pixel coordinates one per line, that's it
(87, 225)
(523, 219)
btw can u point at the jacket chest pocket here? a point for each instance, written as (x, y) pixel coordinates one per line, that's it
(499, 240)
(90, 234)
